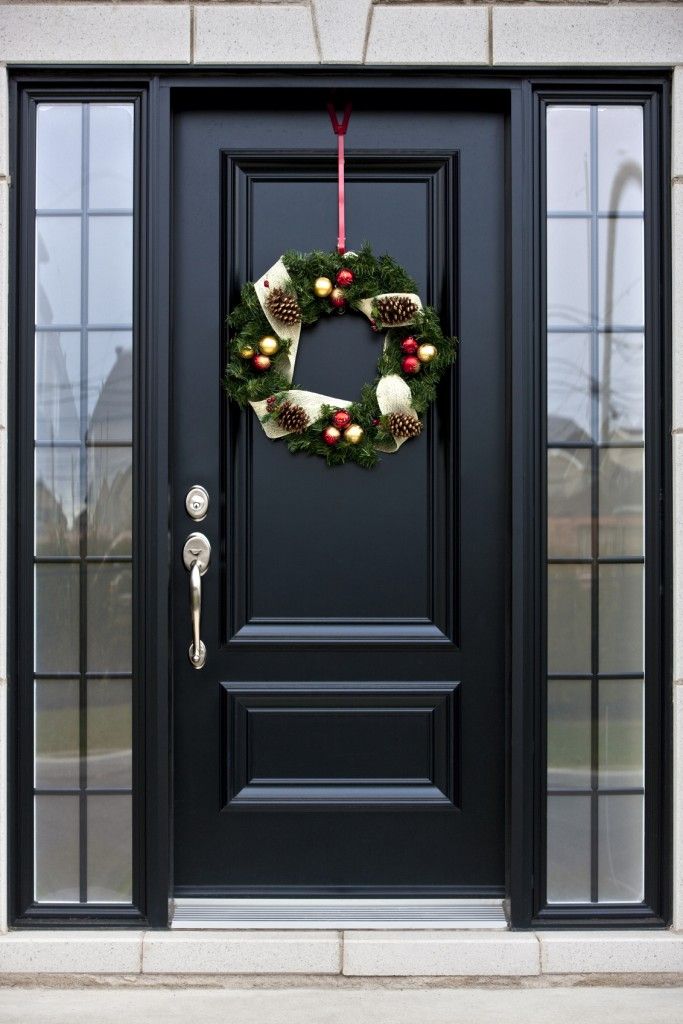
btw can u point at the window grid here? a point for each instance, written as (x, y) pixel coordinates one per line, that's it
(597, 443)
(85, 561)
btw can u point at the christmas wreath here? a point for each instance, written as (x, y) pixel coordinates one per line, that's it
(295, 293)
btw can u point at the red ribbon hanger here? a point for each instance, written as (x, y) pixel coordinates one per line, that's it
(339, 128)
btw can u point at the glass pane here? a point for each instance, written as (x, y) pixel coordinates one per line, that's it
(620, 158)
(569, 272)
(569, 832)
(109, 734)
(56, 734)
(621, 733)
(622, 379)
(56, 849)
(58, 156)
(58, 502)
(620, 293)
(58, 270)
(569, 503)
(109, 618)
(111, 156)
(569, 618)
(568, 158)
(110, 386)
(110, 270)
(57, 633)
(109, 849)
(569, 734)
(620, 849)
(621, 618)
(58, 359)
(621, 502)
(569, 388)
(110, 501)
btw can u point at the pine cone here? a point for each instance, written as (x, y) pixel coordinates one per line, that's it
(402, 424)
(396, 309)
(292, 418)
(283, 307)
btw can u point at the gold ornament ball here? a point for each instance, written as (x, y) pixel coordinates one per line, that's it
(353, 434)
(268, 346)
(426, 353)
(246, 352)
(322, 287)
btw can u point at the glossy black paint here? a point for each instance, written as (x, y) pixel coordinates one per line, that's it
(347, 578)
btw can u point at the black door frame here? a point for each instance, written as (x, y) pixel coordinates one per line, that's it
(156, 93)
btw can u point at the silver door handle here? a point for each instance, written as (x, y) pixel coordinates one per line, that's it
(196, 558)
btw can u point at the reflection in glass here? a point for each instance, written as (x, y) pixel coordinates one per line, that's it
(620, 848)
(621, 485)
(58, 270)
(621, 733)
(83, 501)
(56, 618)
(110, 386)
(111, 157)
(110, 270)
(621, 618)
(58, 156)
(570, 384)
(110, 603)
(109, 761)
(58, 360)
(621, 256)
(569, 845)
(56, 848)
(620, 166)
(569, 734)
(569, 503)
(58, 502)
(110, 849)
(569, 618)
(57, 725)
(622, 378)
(568, 158)
(568, 273)
(110, 501)
(595, 494)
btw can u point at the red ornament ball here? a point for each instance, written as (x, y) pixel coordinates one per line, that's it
(337, 298)
(260, 363)
(331, 435)
(409, 346)
(410, 364)
(340, 419)
(344, 277)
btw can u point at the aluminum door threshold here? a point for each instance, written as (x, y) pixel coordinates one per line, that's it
(337, 913)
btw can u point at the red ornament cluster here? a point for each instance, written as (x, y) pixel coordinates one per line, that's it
(337, 298)
(410, 363)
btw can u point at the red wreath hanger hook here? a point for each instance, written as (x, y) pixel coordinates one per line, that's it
(339, 127)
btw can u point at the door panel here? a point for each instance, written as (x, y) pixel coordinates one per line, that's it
(347, 732)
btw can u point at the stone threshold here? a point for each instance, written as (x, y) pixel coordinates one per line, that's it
(458, 956)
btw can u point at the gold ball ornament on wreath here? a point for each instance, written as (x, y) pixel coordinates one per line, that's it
(268, 345)
(354, 434)
(247, 352)
(426, 353)
(322, 286)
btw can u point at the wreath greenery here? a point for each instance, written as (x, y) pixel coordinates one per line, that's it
(371, 277)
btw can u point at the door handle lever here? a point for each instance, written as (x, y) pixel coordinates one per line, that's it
(196, 558)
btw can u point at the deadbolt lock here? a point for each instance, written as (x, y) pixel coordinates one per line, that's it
(197, 502)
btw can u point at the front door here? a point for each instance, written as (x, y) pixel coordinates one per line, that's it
(346, 735)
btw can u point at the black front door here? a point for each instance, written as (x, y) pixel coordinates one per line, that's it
(347, 733)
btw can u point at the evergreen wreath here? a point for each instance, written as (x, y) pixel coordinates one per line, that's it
(295, 293)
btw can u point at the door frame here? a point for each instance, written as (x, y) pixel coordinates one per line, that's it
(156, 94)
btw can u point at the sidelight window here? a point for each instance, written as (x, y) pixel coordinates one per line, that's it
(83, 542)
(595, 430)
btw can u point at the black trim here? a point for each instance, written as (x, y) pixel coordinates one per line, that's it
(153, 92)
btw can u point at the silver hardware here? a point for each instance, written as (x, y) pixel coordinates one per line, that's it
(196, 558)
(197, 502)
